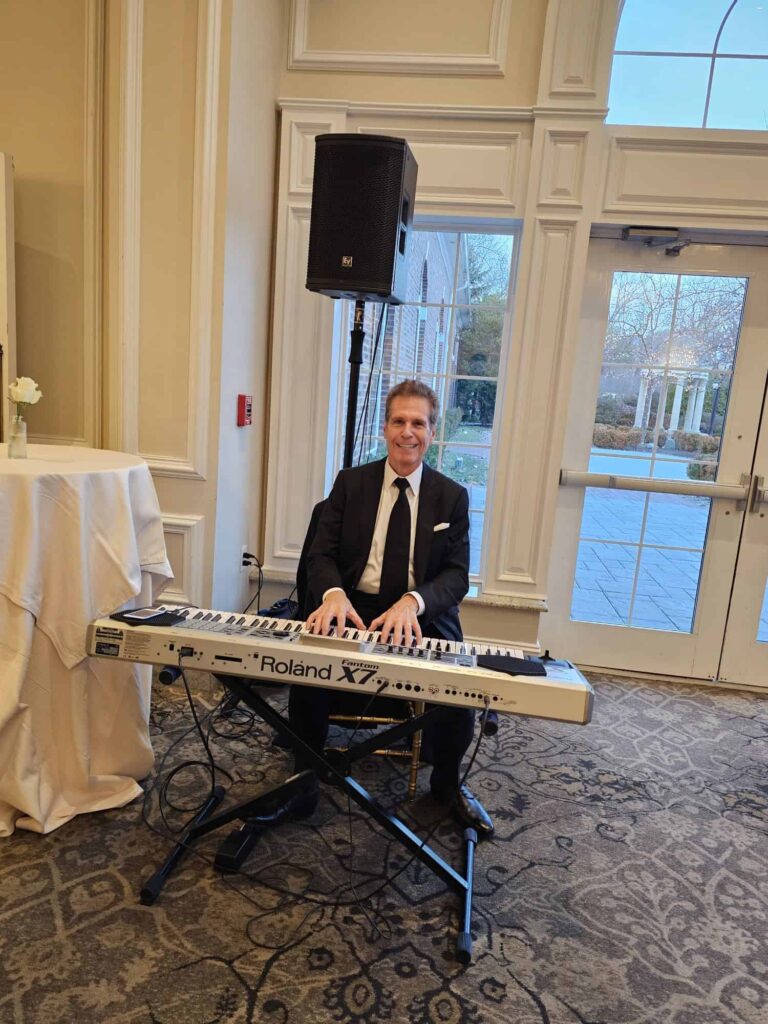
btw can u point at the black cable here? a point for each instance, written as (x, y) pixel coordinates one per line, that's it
(361, 716)
(259, 584)
(171, 833)
(164, 801)
(376, 370)
(362, 418)
(309, 897)
(391, 878)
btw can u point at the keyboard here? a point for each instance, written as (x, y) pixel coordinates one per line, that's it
(282, 650)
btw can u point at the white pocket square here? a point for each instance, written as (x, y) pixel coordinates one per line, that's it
(442, 526)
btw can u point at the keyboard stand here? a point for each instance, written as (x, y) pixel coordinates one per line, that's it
(236, 847)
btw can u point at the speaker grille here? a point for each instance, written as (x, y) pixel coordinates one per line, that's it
(357, 205)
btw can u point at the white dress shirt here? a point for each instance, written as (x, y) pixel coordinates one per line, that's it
(370, 581)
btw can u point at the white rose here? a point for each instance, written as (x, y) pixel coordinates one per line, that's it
(24, 391)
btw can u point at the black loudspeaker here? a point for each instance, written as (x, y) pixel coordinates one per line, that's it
(363, 192)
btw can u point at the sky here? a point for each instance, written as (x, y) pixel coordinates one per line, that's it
(672, 90)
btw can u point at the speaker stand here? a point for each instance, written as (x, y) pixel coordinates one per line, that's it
(356, 338)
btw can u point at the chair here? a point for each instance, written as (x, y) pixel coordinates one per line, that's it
(347, 708)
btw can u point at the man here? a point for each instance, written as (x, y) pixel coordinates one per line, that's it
(391, 549)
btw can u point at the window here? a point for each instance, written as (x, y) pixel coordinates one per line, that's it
(665, 382)
(449, 333)
(691, 63)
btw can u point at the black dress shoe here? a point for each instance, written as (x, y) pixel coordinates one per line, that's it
(468, 809)
(300, 805)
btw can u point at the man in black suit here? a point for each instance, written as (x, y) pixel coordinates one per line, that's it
(392, 549)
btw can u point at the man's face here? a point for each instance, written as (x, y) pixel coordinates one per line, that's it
(408, 433)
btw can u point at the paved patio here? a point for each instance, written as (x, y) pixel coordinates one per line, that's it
(619, 528)
(612, 527)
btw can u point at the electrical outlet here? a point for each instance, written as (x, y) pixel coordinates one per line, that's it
(243, 566)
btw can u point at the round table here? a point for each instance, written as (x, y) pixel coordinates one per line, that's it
(81, 537)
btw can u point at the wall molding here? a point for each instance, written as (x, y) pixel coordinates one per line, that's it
(436, 111)
(576, 48)
(124, 357)
(302, 342)
(7, 292)
(302, 132)
(578, 53)
(537, 359)
(189, 589)
(207, 78)
(93, 197)
(301, 57)
(170, 466)
(301, 361)
(697, 174)
(489, 160)
(582, 113)
(76, 442)
(561, 182)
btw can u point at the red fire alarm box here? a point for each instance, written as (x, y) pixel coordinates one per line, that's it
(244, 405)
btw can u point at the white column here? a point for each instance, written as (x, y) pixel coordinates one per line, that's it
(674, 416)
(641, 396)
(660, 408)
(647, 405)
(693, 390)
(699, 409)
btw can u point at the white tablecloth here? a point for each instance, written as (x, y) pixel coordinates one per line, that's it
(80, 537)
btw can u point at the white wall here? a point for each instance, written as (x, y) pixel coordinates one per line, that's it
(257, 57)
(50, 90)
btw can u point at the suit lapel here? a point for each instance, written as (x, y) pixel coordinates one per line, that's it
(368, 496)
(425, 523)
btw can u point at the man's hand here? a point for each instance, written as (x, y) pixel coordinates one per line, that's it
(335, 610)
(401, 621)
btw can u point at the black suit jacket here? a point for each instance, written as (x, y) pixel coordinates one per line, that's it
(342, 541)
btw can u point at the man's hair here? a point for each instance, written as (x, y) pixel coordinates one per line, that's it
(414, 389)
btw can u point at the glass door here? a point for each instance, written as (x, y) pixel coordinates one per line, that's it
(745, 651)
(657, 466)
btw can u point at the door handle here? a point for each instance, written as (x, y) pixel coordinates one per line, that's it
(758, 494)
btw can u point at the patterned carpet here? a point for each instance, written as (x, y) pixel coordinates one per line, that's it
(626, 884)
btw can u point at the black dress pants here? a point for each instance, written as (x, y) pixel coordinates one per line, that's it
(447, 739)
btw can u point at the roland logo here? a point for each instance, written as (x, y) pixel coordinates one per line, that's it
(346, 261)
(294, 667)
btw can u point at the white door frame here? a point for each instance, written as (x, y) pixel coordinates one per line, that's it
(696, 654)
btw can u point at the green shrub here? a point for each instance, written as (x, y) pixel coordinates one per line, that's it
(605, 435)
(453, 418)
(607, 409)
(690, 442)
(701, 470)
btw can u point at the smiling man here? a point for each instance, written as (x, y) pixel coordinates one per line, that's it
(391, 552)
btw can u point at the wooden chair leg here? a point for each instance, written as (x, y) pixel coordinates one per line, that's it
(413, 778)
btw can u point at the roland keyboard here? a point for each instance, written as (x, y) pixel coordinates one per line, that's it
(282, 650)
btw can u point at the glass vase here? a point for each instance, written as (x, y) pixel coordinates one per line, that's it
(17, 438)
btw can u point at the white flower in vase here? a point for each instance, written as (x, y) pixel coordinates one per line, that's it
(23, 391)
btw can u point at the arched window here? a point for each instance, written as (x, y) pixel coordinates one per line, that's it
(691, 64)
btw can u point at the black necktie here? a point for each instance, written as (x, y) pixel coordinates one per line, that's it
(397, 548)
